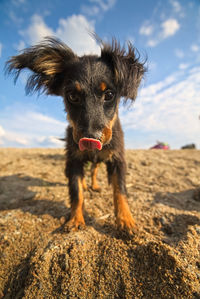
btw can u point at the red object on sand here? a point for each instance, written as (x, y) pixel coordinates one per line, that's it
(89, 144)
(161, 145)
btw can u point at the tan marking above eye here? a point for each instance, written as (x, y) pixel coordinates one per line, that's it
(77, 86)
(103, 86)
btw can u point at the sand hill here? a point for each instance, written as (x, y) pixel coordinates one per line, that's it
(38, 259)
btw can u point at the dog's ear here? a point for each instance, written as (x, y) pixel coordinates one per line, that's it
(48, 62)
(128, 71)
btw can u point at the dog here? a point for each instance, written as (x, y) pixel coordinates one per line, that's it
(91, 87)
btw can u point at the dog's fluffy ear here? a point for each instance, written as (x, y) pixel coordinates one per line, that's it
(48, 61)
(128, 71)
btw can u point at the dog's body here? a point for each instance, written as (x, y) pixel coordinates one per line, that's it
(91, 87)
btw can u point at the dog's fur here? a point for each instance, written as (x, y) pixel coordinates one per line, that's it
(91, 87)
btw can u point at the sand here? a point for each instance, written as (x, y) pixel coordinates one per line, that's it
(39, 259)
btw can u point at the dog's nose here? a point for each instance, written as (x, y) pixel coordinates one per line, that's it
(92, 125)
(95, 134)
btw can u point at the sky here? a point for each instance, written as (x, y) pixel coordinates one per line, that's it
(167, 32)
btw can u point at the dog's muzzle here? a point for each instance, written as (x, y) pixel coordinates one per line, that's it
(89, 144)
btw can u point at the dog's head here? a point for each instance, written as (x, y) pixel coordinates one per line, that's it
(91, 86)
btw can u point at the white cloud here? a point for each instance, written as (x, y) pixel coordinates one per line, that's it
(90, 10)
(15, 19)
(183, 66)
(153, 42)
(37, 30)
(12, 138)
(97, 7)
(195, 48)
(170, 108)
(179, 53)
(169, 27)
(176, 6)
(32, 129)
(0, 49)
(146, 29)
(49, 141)
(157, 33)
(18, 2)
(105, 5)
(73, 30)
(2, 134)
(164, 22)
(7, 138)
(154, 89)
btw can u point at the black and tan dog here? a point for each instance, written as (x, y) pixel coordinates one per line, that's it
(91, 87)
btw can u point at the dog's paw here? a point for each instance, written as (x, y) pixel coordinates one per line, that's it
(75, 224)
(125, 222)
(96, 188)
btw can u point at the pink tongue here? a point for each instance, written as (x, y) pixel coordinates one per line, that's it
(89, 144)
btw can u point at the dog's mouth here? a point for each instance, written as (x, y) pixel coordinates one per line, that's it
(89, 144)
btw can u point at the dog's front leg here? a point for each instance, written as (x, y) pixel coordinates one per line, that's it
(74, 172)
(95, 186)
(116, 173)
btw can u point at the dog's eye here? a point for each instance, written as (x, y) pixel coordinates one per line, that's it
(74, 99)
(108, 96)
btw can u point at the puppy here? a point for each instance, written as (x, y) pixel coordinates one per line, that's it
(91, 87)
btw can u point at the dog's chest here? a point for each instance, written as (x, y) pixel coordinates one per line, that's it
(95, 156)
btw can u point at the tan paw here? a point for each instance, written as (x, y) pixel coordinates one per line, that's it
(96, 188)
(126, 223)
(75, 224)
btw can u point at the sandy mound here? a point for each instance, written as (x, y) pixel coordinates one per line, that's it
(38, 259)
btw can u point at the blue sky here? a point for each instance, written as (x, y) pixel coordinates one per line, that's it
(167, 31)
